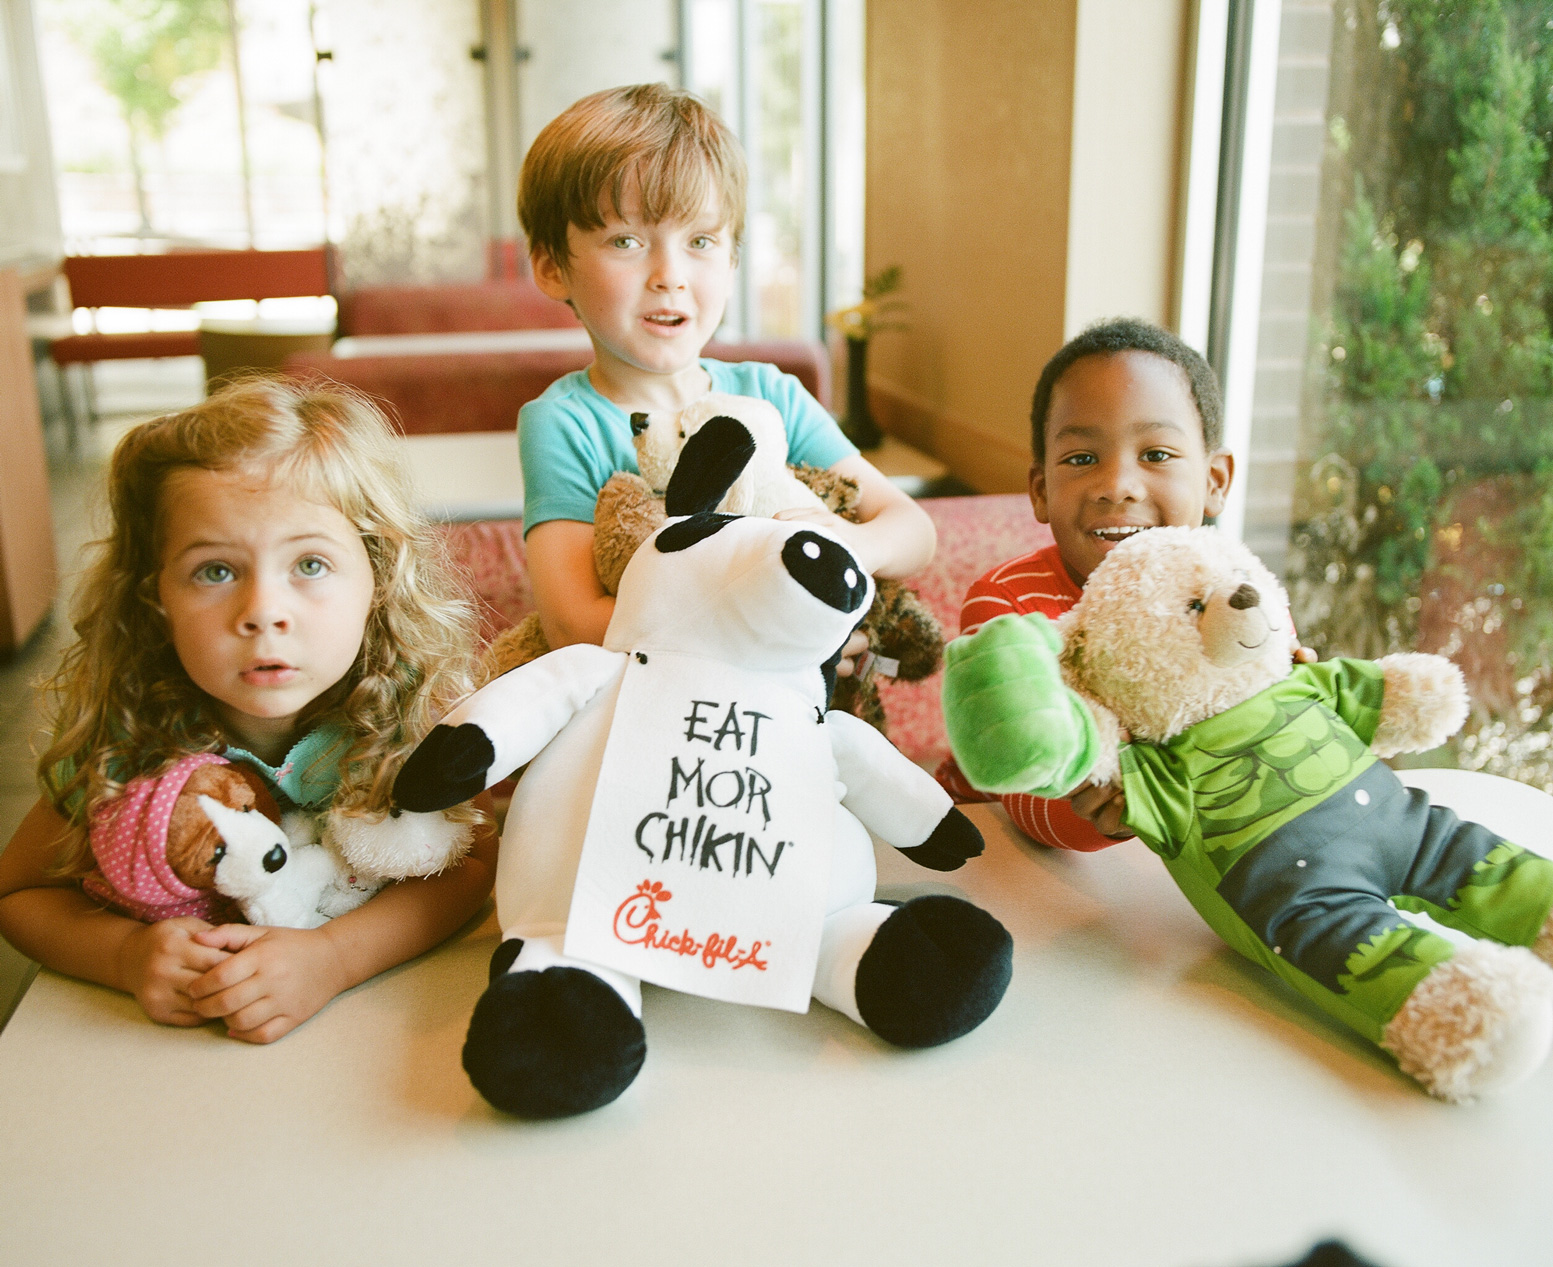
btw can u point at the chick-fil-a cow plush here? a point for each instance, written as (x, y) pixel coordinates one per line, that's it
(692, 815)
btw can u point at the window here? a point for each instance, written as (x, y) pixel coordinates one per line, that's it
(395, 128)
(13, 152)
(159, 136)
(1389, 365)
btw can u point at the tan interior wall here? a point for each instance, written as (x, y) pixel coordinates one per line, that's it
(27, 562)
(974, 108)
(969, 115)
(1122, 198)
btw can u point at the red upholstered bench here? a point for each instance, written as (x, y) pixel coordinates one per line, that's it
(974, 534)
(482, 391)
(177, 279)
(517, 304)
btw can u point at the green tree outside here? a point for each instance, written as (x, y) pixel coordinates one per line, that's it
(145, 53)
(1426, 519)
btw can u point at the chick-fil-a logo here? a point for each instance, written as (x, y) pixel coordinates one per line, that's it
(638, 923)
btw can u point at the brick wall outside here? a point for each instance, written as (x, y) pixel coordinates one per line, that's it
(1286, 329)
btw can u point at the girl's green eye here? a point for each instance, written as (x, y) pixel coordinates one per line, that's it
(702, 241)
(312, 567)
(213, 573)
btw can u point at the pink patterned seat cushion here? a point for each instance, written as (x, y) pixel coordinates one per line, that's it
(491, 552)
(974, 534)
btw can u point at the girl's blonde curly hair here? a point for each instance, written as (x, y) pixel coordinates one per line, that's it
(122, 704)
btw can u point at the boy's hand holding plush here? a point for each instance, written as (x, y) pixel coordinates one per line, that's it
(899, 628)
(1012, 722)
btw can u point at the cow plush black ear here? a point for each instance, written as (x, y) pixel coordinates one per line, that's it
(708, 465)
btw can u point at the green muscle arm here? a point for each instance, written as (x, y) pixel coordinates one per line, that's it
(1013, 725)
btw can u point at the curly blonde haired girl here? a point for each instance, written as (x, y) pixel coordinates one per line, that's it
(266, 591)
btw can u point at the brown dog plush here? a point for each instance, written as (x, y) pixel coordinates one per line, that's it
(157, 849)
(205, 838)
(904, 637)
(193, 843)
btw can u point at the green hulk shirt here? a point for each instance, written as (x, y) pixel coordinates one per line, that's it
(1297, 846)
(1217, 789)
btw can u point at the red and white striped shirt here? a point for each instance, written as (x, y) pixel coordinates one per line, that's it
(1032, 583)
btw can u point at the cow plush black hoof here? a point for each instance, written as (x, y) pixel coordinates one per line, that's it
(552, 1043)
(448, 767)
(935, 970)
(503, 958)
(953, 843)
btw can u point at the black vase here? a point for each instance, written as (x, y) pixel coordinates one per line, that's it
(858, 425)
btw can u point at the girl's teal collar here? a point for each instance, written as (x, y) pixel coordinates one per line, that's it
(310, 772)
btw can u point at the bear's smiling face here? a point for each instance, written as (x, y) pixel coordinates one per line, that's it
(660, 435)
(1175, 626)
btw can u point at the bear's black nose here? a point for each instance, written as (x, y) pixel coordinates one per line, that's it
(826, 570)
(1244, 598)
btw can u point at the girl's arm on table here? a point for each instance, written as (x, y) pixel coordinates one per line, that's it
(275, 978)
(50, 919)
(894, 538)
(264, 981)
(573, 606)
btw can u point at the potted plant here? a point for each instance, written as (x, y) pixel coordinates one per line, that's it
(857, 325)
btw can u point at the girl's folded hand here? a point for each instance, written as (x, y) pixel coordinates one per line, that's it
(159, 962)
(272, 980)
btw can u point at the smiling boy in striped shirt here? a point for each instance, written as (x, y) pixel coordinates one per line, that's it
(1126, 433)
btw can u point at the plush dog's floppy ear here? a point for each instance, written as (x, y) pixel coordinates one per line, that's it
(708, 465)
(192, 839)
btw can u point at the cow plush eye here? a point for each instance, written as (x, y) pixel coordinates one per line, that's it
(1196, 606)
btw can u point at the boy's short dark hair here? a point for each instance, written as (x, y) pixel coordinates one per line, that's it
(1129, 334)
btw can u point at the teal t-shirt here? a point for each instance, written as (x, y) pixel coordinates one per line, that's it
(309, 773)
(306, 778)
(572, 439)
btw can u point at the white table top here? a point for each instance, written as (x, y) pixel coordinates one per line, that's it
(463, 476)
(460, 477)
(464, 342)
(1142, 1097)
